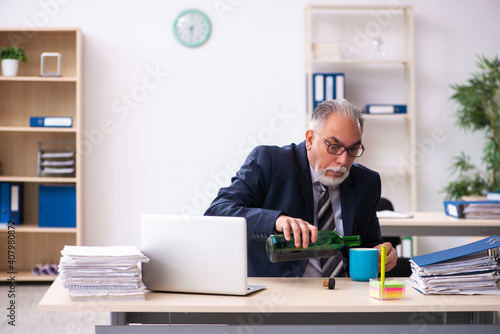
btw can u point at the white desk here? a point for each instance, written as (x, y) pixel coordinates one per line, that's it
(293, 302)
(439, 224)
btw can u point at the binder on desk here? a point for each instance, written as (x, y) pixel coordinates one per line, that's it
(469, 269)
(456, 252)
(458, 209)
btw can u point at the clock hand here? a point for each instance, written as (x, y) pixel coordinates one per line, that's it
(191, 28)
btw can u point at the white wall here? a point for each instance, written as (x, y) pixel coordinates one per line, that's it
(171, 147)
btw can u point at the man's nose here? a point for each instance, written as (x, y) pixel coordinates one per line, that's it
(342, 159)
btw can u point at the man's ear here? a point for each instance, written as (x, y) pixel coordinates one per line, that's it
(309, 138)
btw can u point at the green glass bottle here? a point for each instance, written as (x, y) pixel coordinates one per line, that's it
(328, 243)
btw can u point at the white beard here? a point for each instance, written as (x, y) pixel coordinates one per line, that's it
(328, 180)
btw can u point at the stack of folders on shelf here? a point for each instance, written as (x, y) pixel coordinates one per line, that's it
(327, 86)
(473, 209)
(56, 159)
(102, 273)
(469, 269)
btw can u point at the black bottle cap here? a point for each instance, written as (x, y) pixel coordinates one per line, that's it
(330, 283)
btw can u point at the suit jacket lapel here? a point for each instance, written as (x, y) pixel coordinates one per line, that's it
(304, 178)
(347, 203)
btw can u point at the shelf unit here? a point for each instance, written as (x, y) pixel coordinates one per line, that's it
(22, 97)
(390, 139)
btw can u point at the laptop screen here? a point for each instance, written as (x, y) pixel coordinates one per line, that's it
(202, 254)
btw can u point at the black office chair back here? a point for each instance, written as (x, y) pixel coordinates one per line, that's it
(384, 204)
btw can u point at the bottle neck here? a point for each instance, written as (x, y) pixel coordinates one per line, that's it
(352, 240)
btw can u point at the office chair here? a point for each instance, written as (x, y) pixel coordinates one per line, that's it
(402, 268)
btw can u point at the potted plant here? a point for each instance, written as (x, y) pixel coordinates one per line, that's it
(10, 60)
(478, 110)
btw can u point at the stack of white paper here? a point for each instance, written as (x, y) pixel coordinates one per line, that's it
(469, 269)
(109, 273)
(482, 210)
(472, 274)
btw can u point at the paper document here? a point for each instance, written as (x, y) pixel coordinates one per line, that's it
(51, 170)
(59, 155)
(473, 268)
(111, 273)
(393, 214)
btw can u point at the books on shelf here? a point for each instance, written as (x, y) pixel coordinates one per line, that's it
(327, 86)
(473, 209)
(102, 273)
(468, 269)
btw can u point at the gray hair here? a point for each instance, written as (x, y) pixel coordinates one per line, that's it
(341, 107)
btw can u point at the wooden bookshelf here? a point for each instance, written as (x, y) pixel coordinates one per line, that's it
(372, 80)
(22, 97)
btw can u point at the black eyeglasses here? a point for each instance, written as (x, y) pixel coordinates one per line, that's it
(335, 149)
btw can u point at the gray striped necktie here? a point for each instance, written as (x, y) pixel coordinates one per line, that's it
(332, 266)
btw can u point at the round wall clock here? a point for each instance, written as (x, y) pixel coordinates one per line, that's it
(192, 28)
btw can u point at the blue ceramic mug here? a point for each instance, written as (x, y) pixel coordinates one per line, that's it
(363, 263)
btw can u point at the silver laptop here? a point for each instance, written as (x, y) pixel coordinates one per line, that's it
(198, 254)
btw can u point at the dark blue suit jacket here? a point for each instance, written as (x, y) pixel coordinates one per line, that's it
(277, 180)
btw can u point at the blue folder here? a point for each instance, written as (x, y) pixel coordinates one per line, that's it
(11, 208)
(57, 206)
(16, 203)
(456, 208)
(391, 108)
(456, 252)
(4, 202)
(64, 122)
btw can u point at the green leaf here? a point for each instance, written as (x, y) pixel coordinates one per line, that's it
(13, 52)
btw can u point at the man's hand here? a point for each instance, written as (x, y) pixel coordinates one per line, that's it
(392, 256)
(299, 228)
